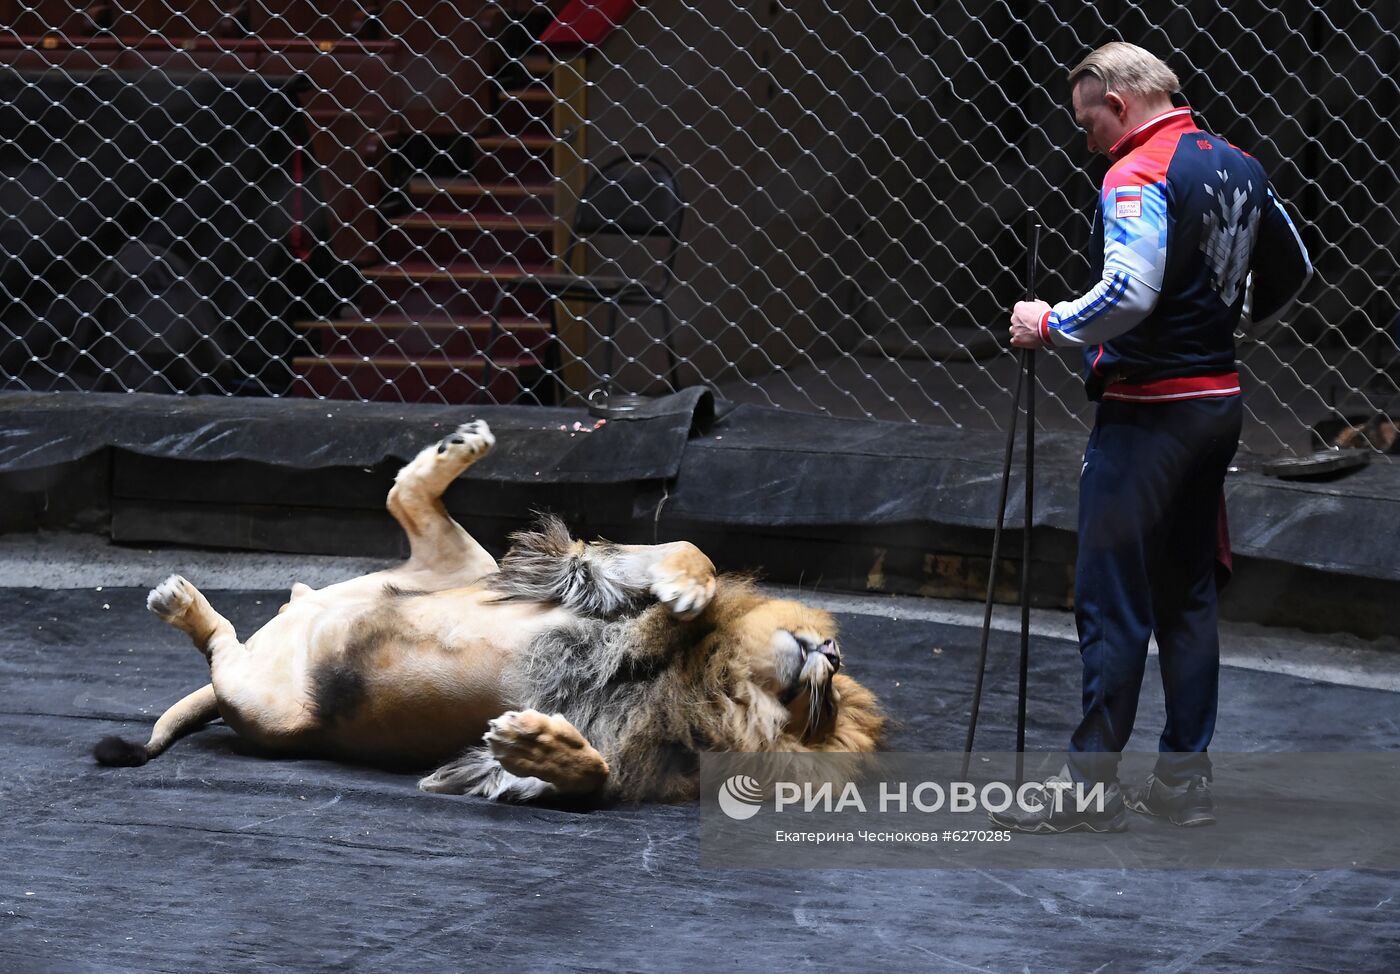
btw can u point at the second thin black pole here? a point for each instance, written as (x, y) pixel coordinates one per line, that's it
(992, 575)
(1025, 375)
(1028, 362)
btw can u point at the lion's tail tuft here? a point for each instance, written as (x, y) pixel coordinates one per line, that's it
(115, 752)
(192, 712)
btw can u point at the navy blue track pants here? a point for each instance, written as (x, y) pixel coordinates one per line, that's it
(1149, 500)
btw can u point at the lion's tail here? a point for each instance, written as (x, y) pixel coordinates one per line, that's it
(191, 713)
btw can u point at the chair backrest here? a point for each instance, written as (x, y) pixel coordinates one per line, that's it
(631, 196)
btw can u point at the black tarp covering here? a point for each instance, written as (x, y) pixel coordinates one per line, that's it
(753, 467)
(534, 444)
(764, 466)
(145, 237)
(211, 858)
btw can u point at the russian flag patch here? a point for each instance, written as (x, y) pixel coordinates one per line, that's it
(1127, 201)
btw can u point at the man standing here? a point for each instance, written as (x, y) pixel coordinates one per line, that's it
(1186, 226)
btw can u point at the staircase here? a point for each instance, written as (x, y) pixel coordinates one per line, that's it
(419, 330)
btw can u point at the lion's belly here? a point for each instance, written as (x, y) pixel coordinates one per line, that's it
(407, 691)
(410, 681)
(419, 712)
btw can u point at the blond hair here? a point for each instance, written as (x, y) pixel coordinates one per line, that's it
(1122, 67)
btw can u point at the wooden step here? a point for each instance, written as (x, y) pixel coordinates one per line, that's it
(424, 271)
(373, 115)
(389, 365)
(397, 379)
(534, 95)
(472, 221)
(530, 143)
(386, 326)
(471, 189)
(427, 341)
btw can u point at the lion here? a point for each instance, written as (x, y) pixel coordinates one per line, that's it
(596, 672)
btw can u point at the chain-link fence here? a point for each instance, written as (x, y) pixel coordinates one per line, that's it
(812, 205)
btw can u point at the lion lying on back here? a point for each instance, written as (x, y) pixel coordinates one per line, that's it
(590, 670)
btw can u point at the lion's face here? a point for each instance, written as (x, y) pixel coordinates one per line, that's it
(792, 654)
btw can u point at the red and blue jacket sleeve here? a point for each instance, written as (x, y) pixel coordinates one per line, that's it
(1136, 227)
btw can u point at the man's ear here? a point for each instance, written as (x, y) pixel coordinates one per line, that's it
(1115, 104)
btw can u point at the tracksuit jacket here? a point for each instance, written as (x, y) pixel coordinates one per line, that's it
(1186, 223)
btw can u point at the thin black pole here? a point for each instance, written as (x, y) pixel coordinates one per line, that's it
(1025, 373)
(992, 572)
(1028, 361)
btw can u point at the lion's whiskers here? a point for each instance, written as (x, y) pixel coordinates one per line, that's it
(819, 702)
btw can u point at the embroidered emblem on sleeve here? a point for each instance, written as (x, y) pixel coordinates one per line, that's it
(1127, 202)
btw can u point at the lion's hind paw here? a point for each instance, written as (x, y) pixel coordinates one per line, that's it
(172, 598)
(470, 441)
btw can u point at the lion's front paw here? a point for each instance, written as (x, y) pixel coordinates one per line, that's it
(470, 441)
(684, 581)
(522, 739)
(172, 598)
(531, 744)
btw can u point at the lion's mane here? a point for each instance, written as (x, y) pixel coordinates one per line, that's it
(650, 691)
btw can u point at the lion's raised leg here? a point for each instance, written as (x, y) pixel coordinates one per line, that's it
(437, 543)
(603, 579)
(678, 574)
(183, 606)
(258, 694)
